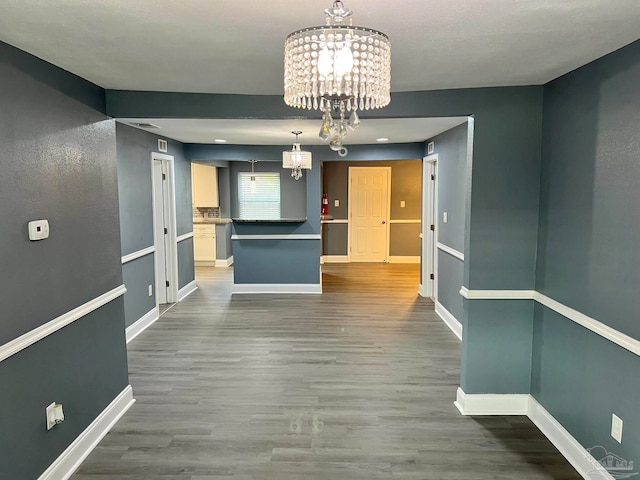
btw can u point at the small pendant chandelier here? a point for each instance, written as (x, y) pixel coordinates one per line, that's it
(296, 159)
(337, 69)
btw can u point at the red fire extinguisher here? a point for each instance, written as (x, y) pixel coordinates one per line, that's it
(324, 210)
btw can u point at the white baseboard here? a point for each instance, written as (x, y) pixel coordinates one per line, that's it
(187, 290)
(334, 259)
(205, 263)
(524, 404)
(67, 463)
(276, 288)
(143, 323)
(224, 263)
(450, 321)
(569, 447)
(403, 259)
(423, 291)
(492, 404)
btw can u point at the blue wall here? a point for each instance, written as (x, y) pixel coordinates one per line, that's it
(136, 215)
(588, 250)
(454, 161)
(270, 261)
(58, 161)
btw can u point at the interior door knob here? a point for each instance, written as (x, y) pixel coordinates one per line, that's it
(383, 222)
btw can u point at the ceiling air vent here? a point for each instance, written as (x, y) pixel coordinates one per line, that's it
(162, 145)
(431, 147)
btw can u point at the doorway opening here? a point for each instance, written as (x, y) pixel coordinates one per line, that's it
(372, 221)
(164, 230)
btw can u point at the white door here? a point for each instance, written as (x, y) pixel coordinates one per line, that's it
(428, 287)
(160, 213)
(369, 213)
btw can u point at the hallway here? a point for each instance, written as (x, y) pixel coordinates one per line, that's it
(357, 383)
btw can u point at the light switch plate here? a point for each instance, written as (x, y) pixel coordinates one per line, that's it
(150, 290)
(616, 428)
(336, 203)
(402, 204)
(445, 217)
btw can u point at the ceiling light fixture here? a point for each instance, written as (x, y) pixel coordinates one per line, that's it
(252, 178)
(338, 69)
(382, 139)
(220, 140)
(296, 159)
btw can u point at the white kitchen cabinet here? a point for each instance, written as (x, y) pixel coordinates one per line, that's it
(204, 182)
(204, 243)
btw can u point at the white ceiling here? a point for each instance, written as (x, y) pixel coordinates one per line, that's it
(278, 132)
(237, 46)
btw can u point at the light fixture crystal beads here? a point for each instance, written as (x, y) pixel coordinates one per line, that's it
(337, 68)
(296, 159)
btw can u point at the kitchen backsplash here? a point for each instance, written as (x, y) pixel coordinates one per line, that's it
(206, 212)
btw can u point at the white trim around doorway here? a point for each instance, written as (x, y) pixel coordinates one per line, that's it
(429, 288)
(171, 225)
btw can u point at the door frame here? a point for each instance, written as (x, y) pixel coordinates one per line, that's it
(171, 250)
(350, 210)
(429, 288)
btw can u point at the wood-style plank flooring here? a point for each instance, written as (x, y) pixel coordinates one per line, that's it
(357, 383)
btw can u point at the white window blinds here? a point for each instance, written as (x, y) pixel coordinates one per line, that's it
(259, 195)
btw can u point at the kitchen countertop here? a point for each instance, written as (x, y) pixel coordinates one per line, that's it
(211, 221)
(275, 220)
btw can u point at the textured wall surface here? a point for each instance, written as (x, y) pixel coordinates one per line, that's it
(138, 275)
(186, 270)
(450, 278)
(588, 250)
(58, 162)
(451, 147)
(136, 213)
(90, 361)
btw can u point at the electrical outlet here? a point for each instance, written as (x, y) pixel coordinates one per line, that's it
(55, 415)
(150, 290)
(616, 427)
(336, 203)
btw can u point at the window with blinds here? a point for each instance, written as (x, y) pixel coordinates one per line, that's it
(259, 199)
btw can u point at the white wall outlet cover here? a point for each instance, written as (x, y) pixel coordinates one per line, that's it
(616, 428)
(402, 204)
(445, 217)
(38, 230)
(336, 203)
(55, 415)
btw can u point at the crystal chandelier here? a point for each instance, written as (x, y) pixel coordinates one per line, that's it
(296, 159)
(338, 69)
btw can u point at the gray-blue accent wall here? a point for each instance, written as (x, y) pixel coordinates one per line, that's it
(454, 149)
(588, 250)
(136, 215)
(58, 161)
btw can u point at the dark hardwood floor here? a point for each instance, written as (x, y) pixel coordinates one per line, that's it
(357, 383)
